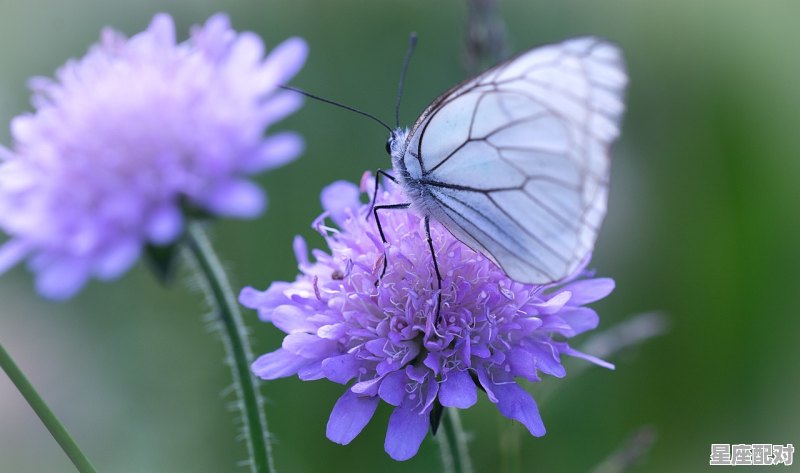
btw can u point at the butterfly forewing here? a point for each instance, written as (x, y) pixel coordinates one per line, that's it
(515, 163)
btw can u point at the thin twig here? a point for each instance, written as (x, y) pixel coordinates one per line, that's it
(633, 331)
(630, 454)
(486, 40)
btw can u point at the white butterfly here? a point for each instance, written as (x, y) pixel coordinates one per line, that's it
(515, 161)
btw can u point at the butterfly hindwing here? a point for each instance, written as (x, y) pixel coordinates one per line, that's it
(515, 163)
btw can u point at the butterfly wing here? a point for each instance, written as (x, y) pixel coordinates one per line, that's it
(515, 163)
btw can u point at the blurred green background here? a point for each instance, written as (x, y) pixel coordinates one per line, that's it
(702, 225)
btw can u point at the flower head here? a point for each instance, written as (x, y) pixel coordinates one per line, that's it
(385, 342)
(126, 136)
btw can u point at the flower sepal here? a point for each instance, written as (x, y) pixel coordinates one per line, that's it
(163, 261)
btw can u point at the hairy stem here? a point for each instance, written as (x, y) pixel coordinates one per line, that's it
(446, 450)
(237, 347)
(47, 417)
(460, 437)
(453, 443)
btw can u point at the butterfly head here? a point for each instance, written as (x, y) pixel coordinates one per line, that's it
(396, 143)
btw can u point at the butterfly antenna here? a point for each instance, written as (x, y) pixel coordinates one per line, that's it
(412, 43)
(341, 105)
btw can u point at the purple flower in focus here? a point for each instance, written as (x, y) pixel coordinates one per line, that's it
(124, 137)
(384, 342)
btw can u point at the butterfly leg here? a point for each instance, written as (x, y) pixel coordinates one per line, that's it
(435, 266)
(378, 174)
(375, 209)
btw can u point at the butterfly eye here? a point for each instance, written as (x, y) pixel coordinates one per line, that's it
(389, 146)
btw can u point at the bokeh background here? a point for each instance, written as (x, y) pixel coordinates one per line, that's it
(702, 226)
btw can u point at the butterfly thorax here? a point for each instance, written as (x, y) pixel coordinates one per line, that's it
(396, 147)
(409, 179)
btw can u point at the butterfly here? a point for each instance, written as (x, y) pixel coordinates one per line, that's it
(514, 162)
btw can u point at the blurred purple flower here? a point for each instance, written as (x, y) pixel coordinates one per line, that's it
(125, 136)
(340, 326)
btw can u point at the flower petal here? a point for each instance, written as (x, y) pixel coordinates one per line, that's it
(118, 260)
(486, 384)
(458, 390)
(523, 364)
(265, 301)
(11, 253)
(300, 249)
(278, 364)
(311, 371)
(338, 198)
(407, 430)
(589, 290)
(567, 350)
(277, 150)
(280, 105)
(555, 303)
(284, 61)
(392, 388)
(308, 346)
(62, 280)
(162, 29)
(341, 369)
(580, 319)
(245, 52)
(515, 403)
(164, 225)
(241, 199)
(369, 387)
(349, 416)
(291, 319)
(547, 359)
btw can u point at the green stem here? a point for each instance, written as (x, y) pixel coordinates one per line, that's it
(237, 347)
(453, 443)
(461, 440)
(47, 417)
(509, 438)
(446, 450)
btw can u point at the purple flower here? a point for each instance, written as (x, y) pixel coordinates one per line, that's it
(384, 342)
(126, 136)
